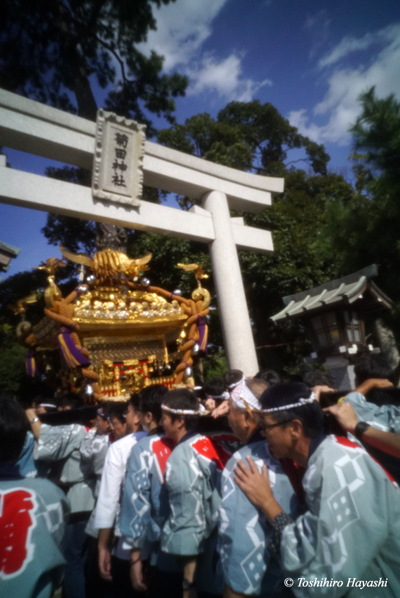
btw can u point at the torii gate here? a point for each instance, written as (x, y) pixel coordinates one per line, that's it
(32, 127)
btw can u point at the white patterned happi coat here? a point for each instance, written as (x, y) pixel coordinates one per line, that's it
(193, 481)
(244, 533)
(32, 524)
(351, 532)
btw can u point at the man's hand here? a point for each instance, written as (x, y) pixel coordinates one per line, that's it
(321, 388)
(371, 383)
(256, 487)
(221, 410)
(210, 404)
(345, 415)
(136, 573)
(105, 563)
(31, 414)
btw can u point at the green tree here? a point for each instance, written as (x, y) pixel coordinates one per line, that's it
(12, 361)
(255, 137)
(62, 53)
(364, 230)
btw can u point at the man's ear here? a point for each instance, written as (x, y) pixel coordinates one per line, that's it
(297, 427)
(250, 417)
(181, 422)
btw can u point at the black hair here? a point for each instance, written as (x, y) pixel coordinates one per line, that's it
(214, 387)
(134, 401)
(232, 377)
(200, 394)
(371, 366)
(182, 398)
(13, 428)
(309, 414)
(269, 376)
(118, 410)
(70, 400)
(150, 399)
(319, 378)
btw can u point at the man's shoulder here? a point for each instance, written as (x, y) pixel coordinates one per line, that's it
(258, 451)
(122, 448)
(151, 441)
(337, 451)
(206, 449)
(144, 444)
(48, 491)
(64, 430)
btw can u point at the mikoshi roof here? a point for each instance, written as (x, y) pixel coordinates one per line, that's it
(10, 249)
(7, 252)
(344, 290)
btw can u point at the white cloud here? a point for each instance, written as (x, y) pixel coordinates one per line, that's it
(223, 77)
(182, 29)
(350, 44)
(318, 27)
(340, 103)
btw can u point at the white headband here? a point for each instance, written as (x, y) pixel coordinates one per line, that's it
(242, 396)
(300, 403)
(48, 405)
(224, 396)
(198, 411)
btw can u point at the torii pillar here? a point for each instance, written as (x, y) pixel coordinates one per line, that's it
(236, 327)
(32, 127)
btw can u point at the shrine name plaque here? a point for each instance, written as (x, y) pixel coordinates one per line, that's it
(118, 159)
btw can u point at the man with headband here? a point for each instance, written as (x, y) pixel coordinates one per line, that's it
(244, 533)
(192, 477)
(349, 538)
(59, 446)
(143, 508)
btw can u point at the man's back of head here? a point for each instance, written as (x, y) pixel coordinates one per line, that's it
(13, 429)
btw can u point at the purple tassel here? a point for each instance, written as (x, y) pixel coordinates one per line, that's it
(31, 365)
(203, 335)
(70, 352)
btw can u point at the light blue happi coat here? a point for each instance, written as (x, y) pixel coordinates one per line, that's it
(61, 444)
(26, 463)
(32, 523)
(142, 514)
(244, 533)
(351, 530)
(193, 482)
(384, 417)
(192, 477)
(93, 452)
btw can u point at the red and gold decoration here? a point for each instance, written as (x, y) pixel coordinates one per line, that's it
(117, 333)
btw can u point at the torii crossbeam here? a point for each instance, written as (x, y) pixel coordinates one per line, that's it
(35, 128)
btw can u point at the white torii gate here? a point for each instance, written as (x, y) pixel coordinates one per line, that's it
(39, 129)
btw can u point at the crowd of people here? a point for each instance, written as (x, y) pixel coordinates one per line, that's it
(236, 488)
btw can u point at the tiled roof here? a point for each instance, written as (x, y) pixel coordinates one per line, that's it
(344, 290)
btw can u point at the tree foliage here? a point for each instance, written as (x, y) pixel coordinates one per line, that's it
(254, 137)
(58, 52)
(365, 230)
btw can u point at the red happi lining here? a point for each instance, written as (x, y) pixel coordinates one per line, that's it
(162, 448)
(16, 521)
(213, 451)
(350, 444)
(295, 473)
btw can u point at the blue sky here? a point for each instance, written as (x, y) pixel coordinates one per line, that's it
(310, 58)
